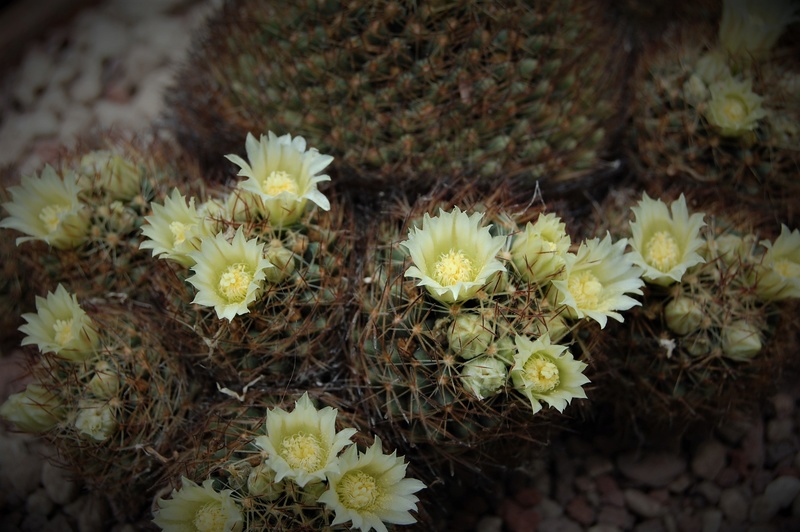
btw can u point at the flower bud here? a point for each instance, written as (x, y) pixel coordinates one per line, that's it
(261, 483)
(282, 259)
(538, 252)
(683, 315)
(116, 175)
(105, 383)
(470, 335)
(484, 376)
(741, 340)
(96, 420)
(34, 409)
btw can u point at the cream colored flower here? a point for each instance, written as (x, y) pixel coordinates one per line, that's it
(779, 271)
(370, 489)
(60, 326)
(741, 340)
(453, 257)
(47, 208)
(175, 229)
(598, 279)
(114, 174)
(665, 245)
(547, 372)
(96, 420)
(196, 508)
(539, 251)
(484, 376)
(35, 409)
(734, 109)
(303, 444)
(750, 28)
(229, 276)
(283, 174)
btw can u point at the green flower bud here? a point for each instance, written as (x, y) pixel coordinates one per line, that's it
(105, 382)
(484, 376)
(683, 315)
(282, 259)
(35, 409)
(470, 335)
(261, 483)
(741, 340)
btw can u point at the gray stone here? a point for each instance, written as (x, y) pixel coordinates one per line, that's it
(709, 490)
(34, 75)
(33, 523)
(100, 36)
(650, 525)
(762, 509)
(489, 523)
(59, 523)
(783, 490)
(94, 514)
(711, 519)
(559, 524)
(734, 504)
(779, 430)
(75, 120)
(709, 459)
(652, 469)
(89, 85)
(549, 508)
(604, 527)
(642, 504)
(784, 405)
(39, 503)
(22, 468)
(60, 488)
(53, 99)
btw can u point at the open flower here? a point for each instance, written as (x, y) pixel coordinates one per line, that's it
(734, 109)
(47, 208)
(35, 409)
(453, 257)
(665, 245)
(199, 508)
(370, 489)
(539, 251)
(303, 444)
(283, 174)
(779, 271)
(60, 326)
(96, 419)
(228, 275)
(598, 279)
(174, 229)
(750, 28)
(114, 174)
(547, 372)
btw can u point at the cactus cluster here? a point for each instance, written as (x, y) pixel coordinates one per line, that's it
(405, 93)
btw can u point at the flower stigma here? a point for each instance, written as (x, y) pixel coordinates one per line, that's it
(453, 267)
(279, 181)
(210, 518)
(735, 108)
(178, 232)
(234, 282)
(63, 331)
(358, 491)
(586, 289)
(51, 216)
(302, 451)
(542, 374)
(662, 251)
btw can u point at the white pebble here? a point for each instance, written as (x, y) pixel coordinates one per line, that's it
(34, 75)
(60, 488)
(89, 84)
(489, 523)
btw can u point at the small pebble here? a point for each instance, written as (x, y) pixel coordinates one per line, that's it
(709, 459)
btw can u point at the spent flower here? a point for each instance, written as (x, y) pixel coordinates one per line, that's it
(199, 508)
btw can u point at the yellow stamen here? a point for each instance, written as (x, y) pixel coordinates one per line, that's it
(233, 284)
(63, 332)
(662, 251)
(586, 289)
(541, 374)
(302, 451)
(210, 518)
(51, 216)
(453, 267)
(358, 491)
(277, 182)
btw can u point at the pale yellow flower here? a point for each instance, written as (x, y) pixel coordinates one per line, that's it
(47, 208)
(195, 508)
(484, 376)
(778, 275)
(35, 409)
(229, 276)
(539, 251)
(114, 174)
(283, 175)
(734, 109)
(547, 372)
(60, 326)
(598, 280)
(96, 420)
(750, 28)
(175, 229)
(370, 489)
(303, 445)
(665, 245)
(453, 257)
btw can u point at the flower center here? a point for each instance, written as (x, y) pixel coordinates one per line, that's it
(735, 109)
(787, 268)
(358, 490)
(302, 451)
(541, 374)
(179, 232)
(277, 182)
(586, 289)
(210, 518)
(453, 267)
(63, 332)
(51, 216)
(234, 282)
(662, 251)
